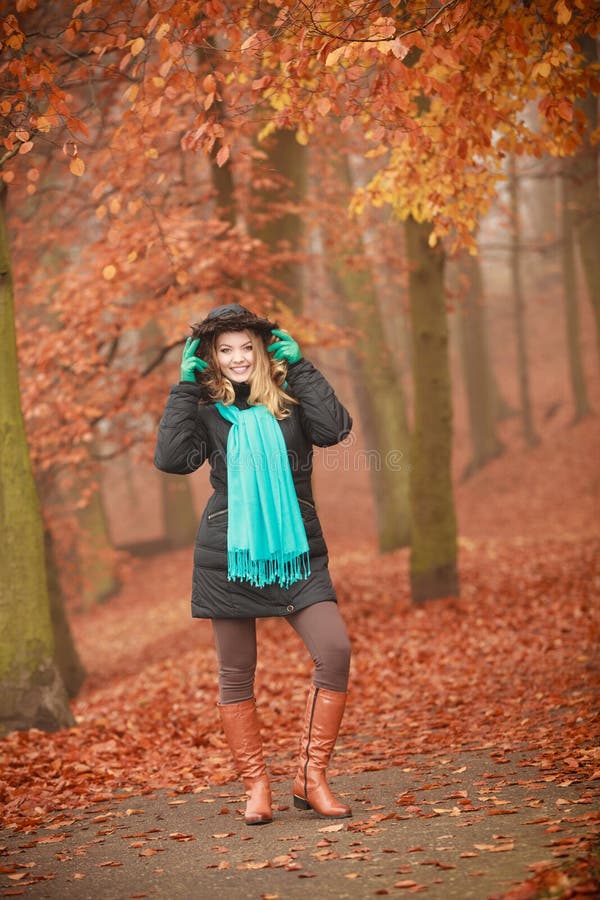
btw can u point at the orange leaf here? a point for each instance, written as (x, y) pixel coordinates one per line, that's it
(223, 155)
(565, 111)
(137, 46)
(77, 166)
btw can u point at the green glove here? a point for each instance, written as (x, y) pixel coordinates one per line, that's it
(190, 363)
(286, 348)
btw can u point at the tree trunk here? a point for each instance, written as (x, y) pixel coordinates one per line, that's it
(96, 554)
(222, 177)
(180, 519)
(476, 363)
(279, 185)
(501, 406)
(378, 387)
(585, 194)
(519, 308)
(381, 406)
(433, 567)
(208, 56)
(223, 184)
(578, 386)
(32, 693)
(65, 652)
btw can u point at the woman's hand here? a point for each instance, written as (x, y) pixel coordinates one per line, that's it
(286, 348)
(190, 363)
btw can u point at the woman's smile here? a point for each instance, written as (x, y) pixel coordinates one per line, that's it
(235, 353)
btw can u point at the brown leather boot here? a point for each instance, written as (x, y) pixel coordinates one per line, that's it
(324, 713)
(242, 730)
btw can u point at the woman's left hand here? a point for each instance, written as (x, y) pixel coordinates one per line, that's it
(286, 348)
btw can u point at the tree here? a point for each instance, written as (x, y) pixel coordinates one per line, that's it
(519, 307)
(475, 359)
(96, 557)
(179, 517)
(31, 687)
(378, 388)
(581, 404)
(438, 96)
(66, 656)
(279, 179)
(433, 571)
(584, 189)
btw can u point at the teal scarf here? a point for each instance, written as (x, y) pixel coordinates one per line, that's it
(266, 539)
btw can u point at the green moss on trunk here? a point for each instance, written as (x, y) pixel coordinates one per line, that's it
(433, 571)
(31, 691)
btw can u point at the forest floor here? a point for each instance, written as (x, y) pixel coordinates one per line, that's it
(470, 748)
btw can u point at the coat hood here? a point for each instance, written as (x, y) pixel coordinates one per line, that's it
(231, 317)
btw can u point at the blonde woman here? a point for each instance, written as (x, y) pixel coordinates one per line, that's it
(250, 405)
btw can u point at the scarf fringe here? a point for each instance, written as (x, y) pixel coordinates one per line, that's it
(284, 569)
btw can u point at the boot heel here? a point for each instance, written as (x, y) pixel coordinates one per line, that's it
(301, 803)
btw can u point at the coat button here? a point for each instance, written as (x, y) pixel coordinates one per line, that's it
(290, 607)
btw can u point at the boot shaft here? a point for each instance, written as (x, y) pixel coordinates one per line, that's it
(242, 731)
(324, 714)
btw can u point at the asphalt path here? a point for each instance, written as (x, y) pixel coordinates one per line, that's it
(466, 825)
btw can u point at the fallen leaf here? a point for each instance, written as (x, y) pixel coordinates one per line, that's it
(495, 848)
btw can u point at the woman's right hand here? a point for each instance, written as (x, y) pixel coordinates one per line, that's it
(190, 363)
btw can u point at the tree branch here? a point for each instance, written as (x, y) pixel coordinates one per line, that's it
(375, 40)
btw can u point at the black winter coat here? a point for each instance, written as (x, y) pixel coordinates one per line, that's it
(191, 432)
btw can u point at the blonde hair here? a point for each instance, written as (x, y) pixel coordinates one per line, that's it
(266, 385)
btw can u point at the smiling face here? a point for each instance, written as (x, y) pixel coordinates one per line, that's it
(235, 355)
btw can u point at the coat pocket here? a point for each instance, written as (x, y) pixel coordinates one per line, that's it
(216, 517)
(306, 507)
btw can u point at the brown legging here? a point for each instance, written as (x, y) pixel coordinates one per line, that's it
(320, 626)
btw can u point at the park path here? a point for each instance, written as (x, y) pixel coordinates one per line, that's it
(464, 825)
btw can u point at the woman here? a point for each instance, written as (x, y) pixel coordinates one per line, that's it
(253, 407)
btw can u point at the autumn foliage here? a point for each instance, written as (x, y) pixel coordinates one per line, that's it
(134, 147)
